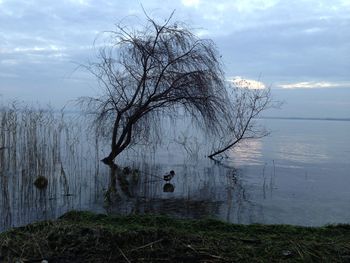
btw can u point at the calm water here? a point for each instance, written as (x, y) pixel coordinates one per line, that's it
(300, 175)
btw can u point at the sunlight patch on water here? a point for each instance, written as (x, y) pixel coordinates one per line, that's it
(248, 152)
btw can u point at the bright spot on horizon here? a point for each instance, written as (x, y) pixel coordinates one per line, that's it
(246, 83)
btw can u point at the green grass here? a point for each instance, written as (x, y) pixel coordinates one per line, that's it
(88, 237)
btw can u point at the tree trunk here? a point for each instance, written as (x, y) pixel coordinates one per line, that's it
(123, 142)
(109, 159)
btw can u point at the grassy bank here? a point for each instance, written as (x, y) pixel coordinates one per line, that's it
(87, 237)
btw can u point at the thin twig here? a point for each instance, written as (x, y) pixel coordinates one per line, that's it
(203, 253)
(121, 252)
(147, 245)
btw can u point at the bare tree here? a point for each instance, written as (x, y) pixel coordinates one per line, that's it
(158, 70)
(240, 122)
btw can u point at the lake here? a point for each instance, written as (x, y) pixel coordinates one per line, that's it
(299, 175)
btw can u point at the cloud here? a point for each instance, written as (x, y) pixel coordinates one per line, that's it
(80, 2)
(240, 82)
(286, 42)
(252, 5)
(311, 85)
(229, 6)
(34, 49)
(295, 51)
(190, 3)
(8, 75)
(9, 62)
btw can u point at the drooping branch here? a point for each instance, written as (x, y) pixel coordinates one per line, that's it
(152, 72)
(247, 105)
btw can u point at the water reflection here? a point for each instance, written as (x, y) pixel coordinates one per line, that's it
(280, 179)
(302, 152)
(168, 188)
(249, 151)
(196, 191)
(200, 190)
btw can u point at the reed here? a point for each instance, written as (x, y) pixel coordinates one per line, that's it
(36, 142)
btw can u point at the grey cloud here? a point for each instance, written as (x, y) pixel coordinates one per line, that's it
(289, 51)
(289, 41)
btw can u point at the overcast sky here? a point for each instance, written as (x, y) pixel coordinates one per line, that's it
(285, 44)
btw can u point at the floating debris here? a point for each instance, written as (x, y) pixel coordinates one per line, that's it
(41, 182)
